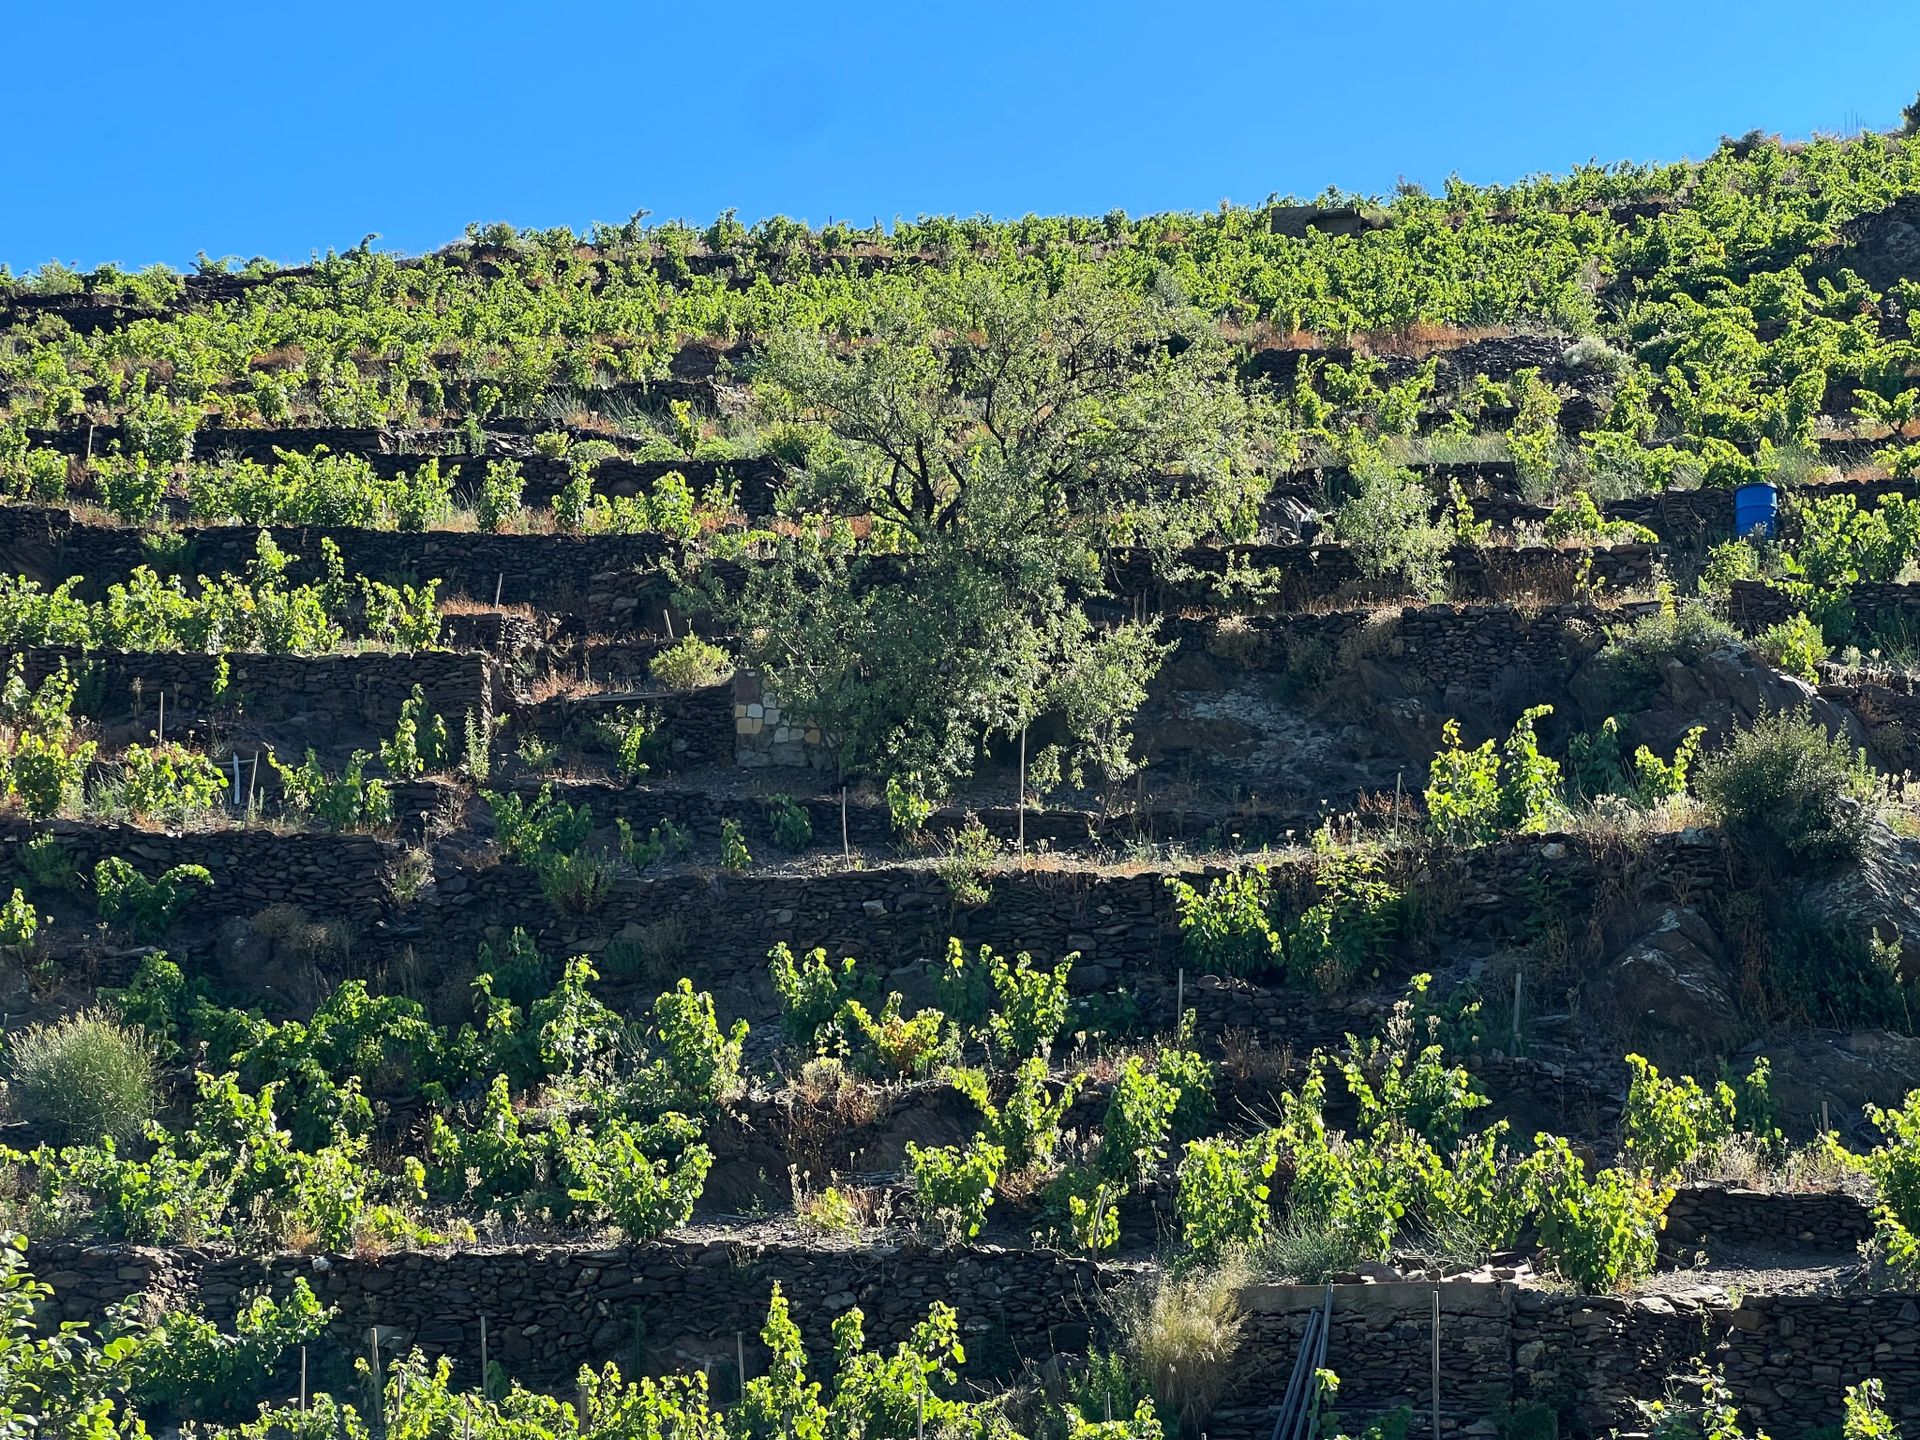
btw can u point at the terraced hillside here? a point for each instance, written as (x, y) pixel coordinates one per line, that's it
(654, 814)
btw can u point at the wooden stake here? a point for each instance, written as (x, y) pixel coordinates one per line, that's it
(1519, 973)
(486, 1392)
(666, 617)
(303, 1379)
(846, 850)
(740, 1360)
(163, 717)
(379, 1395)
(499, 583)
(1179, 999)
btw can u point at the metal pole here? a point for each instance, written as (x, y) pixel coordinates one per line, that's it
(1436, 1364)
(486, 1392)
(303, 1379)
(846, 850)
(499, 582)
(163, 717)
(1021, 843)
(1179, 999)
(1519, 971)
(740, 1360)
(379, 1395)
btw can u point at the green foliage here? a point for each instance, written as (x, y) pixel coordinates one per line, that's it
(1597, 1231)
(1221, 1196)
(663, 842)
(82, 1078)
(891, 1043)
(1635, 659)
(792, 825)
(698, 1068)
(1026, 1122)
(347, 801)
(1894, 1167)
(1669, 1124)
(1228, 928)
(645, 1178)
(953, 1186)
(1387, 525)
(529, 831)
(419, 743)
(1788, 793)
(147, 907)
(1139, 1119)
(498, 506)
(908, 804)
(734, 857)
(186, 1366)
(1795, 645)
(1578, 518)
(19, 923)
(167, 781)
(691, 664)
(1463, 789)
(812, 989)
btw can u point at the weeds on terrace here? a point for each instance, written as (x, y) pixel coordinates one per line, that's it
(83, 1078)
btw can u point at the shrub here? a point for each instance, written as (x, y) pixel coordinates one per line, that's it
(1597, 1232)
(1026, 1125)
(908, 804)
(1578, 518)
(147, 906)
(1668, 1124)
(546, 825)
(1387, 523)
(734, 856)
(966, 864)
(792, 825)
(1181, 1331)
(186, 1366)
(663, 842)
(1788, 793)
(1894, 1167)
(347, 801)
(1463, 790)
(699, 1063)
(1133, 1136)
(130, 488)
(1221, 1194)
(645, 1177)
(812, 989)
(499, 504)
(691, 664)
(895, 1044)
(953, 1186)
(1634, 659)
(19, 923)
(1032, 1003)
(83, 1078)
(419, 742)
(1353, 924)
(169, 781)
(1795, 645)
(577, 881)
(1227, 927)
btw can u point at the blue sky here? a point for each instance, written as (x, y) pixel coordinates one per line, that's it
(136, 135)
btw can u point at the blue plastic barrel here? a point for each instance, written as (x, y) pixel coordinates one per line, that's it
(1755, 507)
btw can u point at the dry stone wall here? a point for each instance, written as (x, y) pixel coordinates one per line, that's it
(696, 1303)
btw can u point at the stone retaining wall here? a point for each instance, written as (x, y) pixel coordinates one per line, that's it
(1786, 1220)
(696, 1303)
(328, 876)
(337, 700)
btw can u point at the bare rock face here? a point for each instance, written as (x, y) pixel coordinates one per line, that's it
(1672, 984)
(1884, 247)
(1842, 1070)
(1724, 689)
(1881, 894)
